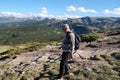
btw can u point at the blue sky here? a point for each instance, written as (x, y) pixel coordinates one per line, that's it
(60, 8)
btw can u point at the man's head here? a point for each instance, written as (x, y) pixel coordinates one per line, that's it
(66, 28)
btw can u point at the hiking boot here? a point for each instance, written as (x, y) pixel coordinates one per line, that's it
(59, 77)
(66, 73)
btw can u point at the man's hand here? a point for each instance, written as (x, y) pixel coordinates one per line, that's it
(60, 48)
(70, 56)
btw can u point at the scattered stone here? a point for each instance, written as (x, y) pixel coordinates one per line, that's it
(43, 58)
(89, 69)
(71, 74)
(14, 57)
(19, 71)
(4, 57)
(53, 57)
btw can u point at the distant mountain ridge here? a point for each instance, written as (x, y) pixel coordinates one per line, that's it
(91, 24)
(17, 19)
(79, 25)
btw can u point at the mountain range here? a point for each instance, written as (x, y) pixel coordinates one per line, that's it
(91, 24)
(79, 25)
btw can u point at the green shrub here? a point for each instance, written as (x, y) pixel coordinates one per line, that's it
(90, 37)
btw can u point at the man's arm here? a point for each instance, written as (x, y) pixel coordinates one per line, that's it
(72, 42)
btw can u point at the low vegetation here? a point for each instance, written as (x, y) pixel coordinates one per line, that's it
(105, 72)
(9, 76)
(113, 32)
(28, 47)
(90, 37)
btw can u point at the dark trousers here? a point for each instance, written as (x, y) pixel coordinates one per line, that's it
(64, 68)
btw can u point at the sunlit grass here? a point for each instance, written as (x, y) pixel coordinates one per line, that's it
(5, 48)
(21, 48)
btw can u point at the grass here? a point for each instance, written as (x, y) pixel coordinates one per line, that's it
(30, 75)
(9, 76)
(4, 66)
(104, 72)
(113, 58)
(51, 69)
(97, 57)
(17, 49)
(4, 48)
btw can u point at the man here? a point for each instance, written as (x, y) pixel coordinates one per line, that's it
(68, 45)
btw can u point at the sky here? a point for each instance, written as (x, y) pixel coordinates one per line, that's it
(60, 8)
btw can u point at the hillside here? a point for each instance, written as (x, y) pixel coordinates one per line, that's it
(21, 30)
(98, 61)
(28, 33)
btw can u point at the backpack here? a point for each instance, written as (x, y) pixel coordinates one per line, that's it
(77, 40)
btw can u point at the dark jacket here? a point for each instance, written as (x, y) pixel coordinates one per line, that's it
(68, 43)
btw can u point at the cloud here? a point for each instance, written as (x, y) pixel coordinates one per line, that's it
(66, 16)
(44, 12)
(107, 11)
(71, 16)
(71, 8)
(11, 14)
(18, 15)
(80, 9)
(114, 11)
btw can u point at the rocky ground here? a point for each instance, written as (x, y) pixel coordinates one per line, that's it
(44, 64)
